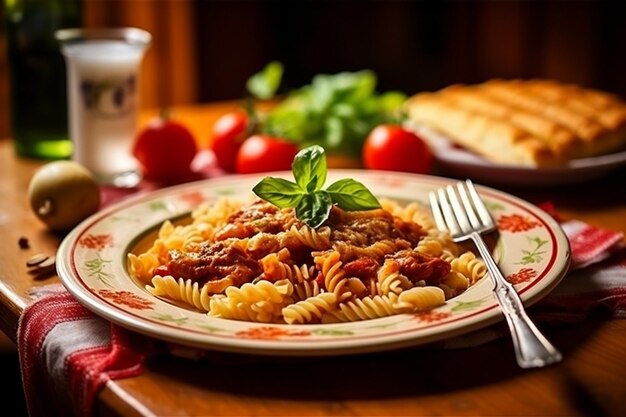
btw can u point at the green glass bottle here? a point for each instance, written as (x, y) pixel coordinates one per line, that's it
(38, 103)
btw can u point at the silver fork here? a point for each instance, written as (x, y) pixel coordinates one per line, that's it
(460, 211)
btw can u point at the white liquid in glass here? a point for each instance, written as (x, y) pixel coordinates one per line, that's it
(103, 95)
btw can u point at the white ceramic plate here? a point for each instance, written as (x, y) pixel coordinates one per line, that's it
(532, 251)
(461, 162)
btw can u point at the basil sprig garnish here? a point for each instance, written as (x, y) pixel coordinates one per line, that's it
(312, 203)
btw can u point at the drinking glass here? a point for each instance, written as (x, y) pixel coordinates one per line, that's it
(103, 94)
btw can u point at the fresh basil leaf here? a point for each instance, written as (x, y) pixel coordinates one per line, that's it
(351, 195)
(264, 84)
(312, 204)
(278, 191)
(314, 208)
(309, 168)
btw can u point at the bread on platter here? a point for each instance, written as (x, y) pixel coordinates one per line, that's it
(536, 123)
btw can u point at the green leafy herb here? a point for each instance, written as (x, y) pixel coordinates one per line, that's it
(312, 203)
(336, 111)
(350, 194)
(264, 84)
(314, 208)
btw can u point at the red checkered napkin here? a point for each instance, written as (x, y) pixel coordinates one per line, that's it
(597, 276)
(67, 354)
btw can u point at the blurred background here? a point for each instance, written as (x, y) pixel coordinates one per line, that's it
(204, 50)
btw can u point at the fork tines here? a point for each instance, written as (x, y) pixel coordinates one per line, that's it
(459, 209)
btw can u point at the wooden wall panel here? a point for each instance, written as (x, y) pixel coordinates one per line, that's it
(204, 50)
(169, 70)
(501, 33)
(570, 44)
(178, 21)
(233, 42)
(4, 82)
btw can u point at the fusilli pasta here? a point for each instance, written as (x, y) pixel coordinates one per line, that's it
(253, 261)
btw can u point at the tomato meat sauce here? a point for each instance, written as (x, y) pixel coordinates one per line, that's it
(361, 238)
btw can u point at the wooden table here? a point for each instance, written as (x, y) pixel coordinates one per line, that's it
(420, 381)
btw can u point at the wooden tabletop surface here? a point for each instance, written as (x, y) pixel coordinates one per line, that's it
(483, 380)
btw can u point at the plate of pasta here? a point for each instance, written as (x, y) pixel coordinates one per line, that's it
(210, 265)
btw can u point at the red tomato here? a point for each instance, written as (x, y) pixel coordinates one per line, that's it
(263, 153)
(165, 149)
(229, 132)
(392, 148)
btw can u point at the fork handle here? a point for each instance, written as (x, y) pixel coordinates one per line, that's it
(532, 349)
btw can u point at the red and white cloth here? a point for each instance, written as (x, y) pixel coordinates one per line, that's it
(596, 278)
(67, 354)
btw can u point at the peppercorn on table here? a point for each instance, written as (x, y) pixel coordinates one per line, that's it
(426, 380)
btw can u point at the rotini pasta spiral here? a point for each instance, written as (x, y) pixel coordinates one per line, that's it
(180, 290)
(389, 279)
(223, 307)
(261, 301)
(329, 264)
(364, 309)
(421, 298)
(309, 237)
(454, 284)
(430, 245)
(310, 309)
(142, 266)
(263, 290)
(304, 284)
(252, 261)
(469, 265)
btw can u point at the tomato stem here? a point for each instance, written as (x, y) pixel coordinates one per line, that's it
(253, 116)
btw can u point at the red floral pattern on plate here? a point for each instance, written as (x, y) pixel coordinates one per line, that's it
(96, 241)
(523, 275)
(516, 223)
(432, 316)
(194, 198)
(127, 298)
(270, 333)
